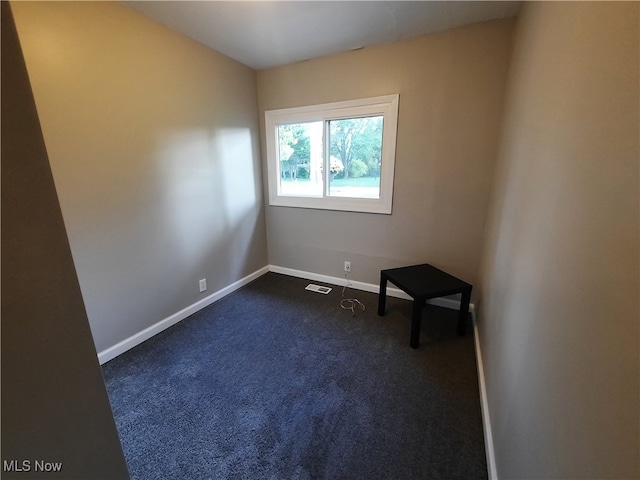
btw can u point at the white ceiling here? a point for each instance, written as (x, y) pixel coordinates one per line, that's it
(263, 34)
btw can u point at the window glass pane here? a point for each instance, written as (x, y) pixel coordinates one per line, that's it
(300, 158)
(333, 156)
(355, 157)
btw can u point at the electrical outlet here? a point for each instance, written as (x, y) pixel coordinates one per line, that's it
(203, 284)
(347, 266)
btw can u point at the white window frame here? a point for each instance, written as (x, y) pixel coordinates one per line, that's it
(386, 105)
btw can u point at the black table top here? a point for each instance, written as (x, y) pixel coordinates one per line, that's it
(425, 281)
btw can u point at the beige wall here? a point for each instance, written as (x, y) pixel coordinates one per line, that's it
(451, 88)
(153, 143)
(559, 321)
(54, 402)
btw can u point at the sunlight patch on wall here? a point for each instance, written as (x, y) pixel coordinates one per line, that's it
(241, 184)
(233, 148)
(208, 190)
(189, 176)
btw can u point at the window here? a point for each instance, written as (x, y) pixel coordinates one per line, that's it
(334, 156)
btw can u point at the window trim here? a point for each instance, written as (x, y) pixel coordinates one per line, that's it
(386, 105)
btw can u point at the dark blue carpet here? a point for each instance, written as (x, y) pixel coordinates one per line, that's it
(275, 382)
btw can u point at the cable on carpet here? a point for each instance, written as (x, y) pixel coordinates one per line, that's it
(350, 303)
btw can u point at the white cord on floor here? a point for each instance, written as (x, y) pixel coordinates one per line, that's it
(350, 303)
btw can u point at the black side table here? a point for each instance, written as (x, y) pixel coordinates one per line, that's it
(423, 282)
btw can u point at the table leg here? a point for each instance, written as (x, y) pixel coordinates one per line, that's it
(464, 311)
(416, 317)
(382, 296)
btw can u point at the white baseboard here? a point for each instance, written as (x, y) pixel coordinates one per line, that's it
(446, 302)
(138, 338)
(486, 419)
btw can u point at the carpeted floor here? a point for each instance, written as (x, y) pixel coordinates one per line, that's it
(275, 382)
